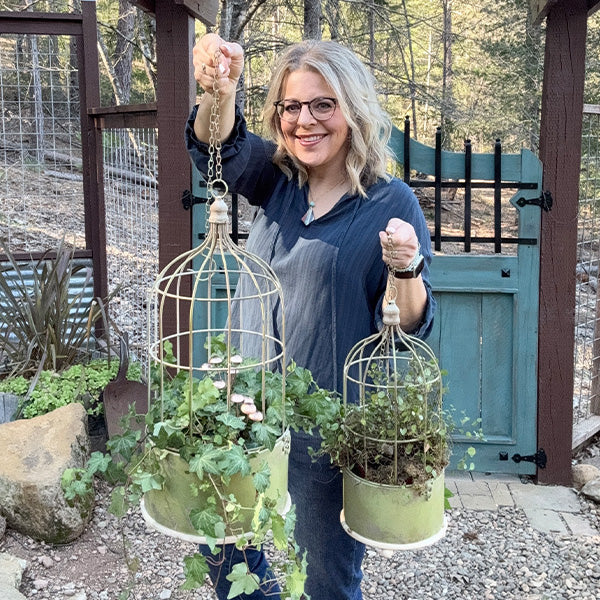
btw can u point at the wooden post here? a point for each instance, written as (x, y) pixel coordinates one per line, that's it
(91, 149)
(175, 96)
(560, 153)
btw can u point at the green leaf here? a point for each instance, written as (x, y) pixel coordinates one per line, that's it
(265, 435)
(118, 505)
(147, 481)
(208, 522)
(205, 460)
(262, 477)
(295, 582)
(242, 582)
(232, 421)
(195, 570)
(280, 538)
(98, 462)
(235, 460)
(471, 451)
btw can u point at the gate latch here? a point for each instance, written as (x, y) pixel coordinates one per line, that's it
(188, 200)
(539, 458)
(544, 201)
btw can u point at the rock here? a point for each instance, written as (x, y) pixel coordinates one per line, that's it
(8, 406)
(592, 489)
(35, 453)
(583, 473)
(11, 570)
(7, 592)
(2, 526)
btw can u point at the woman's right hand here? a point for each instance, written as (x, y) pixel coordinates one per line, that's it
(229, 67)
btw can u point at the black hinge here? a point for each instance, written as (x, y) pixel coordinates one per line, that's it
(544, 201)
(188, 200)
(539, 458)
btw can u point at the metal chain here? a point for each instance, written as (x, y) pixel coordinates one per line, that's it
(391, 288)
(215, 170)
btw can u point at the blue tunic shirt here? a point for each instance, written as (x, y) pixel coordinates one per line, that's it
(331, 271)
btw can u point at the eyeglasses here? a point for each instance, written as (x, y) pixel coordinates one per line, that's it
(320, 108)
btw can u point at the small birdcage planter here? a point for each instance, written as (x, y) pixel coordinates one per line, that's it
(393, 445)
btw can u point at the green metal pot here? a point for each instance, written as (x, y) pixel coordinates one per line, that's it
(168, 509)
(392, 517)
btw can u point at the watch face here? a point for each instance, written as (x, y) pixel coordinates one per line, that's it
(413, 273)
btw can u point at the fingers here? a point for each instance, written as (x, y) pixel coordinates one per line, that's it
(399, 243)
(226, 69)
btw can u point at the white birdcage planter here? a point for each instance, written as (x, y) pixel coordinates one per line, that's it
(395, 443)
(218, 389)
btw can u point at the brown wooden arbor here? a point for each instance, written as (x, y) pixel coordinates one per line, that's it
(560, 153)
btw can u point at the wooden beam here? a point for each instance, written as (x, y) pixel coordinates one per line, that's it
(560, 153)
(205, 10)
(174, 98)
(91, 149)
(538, 9)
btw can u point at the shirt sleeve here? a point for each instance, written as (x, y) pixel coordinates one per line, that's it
(245, 157)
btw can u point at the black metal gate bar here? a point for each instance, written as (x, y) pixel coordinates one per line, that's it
(467, 215)
(407, 150)
(497, 197)
(437, 236)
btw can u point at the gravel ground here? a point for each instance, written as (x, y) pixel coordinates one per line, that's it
(485, 555)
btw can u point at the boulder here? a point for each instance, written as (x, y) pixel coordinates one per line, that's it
(592, 490)
(8, 592)
(35, 453)
(583, 473)
(2, 527)
(11, 570)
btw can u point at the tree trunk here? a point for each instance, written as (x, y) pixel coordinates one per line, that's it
(312, 20)
(447, 93)
(124, 49)
(332, 15)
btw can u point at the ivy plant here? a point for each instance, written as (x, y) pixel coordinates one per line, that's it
(214, 424)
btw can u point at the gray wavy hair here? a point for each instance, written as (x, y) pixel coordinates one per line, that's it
(370, 126)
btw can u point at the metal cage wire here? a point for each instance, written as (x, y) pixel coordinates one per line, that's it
(392, 365)
(196, 288)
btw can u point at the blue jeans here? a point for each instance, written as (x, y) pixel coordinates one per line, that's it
(334, 558)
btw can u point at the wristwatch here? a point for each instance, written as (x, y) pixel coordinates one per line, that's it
(412, 270)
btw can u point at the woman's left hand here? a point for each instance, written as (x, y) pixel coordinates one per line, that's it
(399, 243)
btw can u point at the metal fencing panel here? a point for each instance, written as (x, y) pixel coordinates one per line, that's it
(586, 393)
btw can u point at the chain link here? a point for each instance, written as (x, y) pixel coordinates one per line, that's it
(215, 170)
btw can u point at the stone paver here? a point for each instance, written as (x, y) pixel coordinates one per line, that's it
(550, 509)
(545, 497)
(579, 525)
(501, 493)
(546, 521)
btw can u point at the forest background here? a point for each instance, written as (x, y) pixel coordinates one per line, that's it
(475, 68)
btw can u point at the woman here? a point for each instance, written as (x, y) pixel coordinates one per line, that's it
(330, 221)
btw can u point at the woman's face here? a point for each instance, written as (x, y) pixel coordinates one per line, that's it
(316, 144)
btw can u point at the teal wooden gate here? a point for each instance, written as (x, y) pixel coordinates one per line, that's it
(485, 331)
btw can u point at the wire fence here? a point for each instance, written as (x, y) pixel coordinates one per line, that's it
(586, 393)
(41, 182)
(131, 206)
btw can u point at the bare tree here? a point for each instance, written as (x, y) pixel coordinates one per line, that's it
(312, 20)
(124, 50)
(447, 91)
